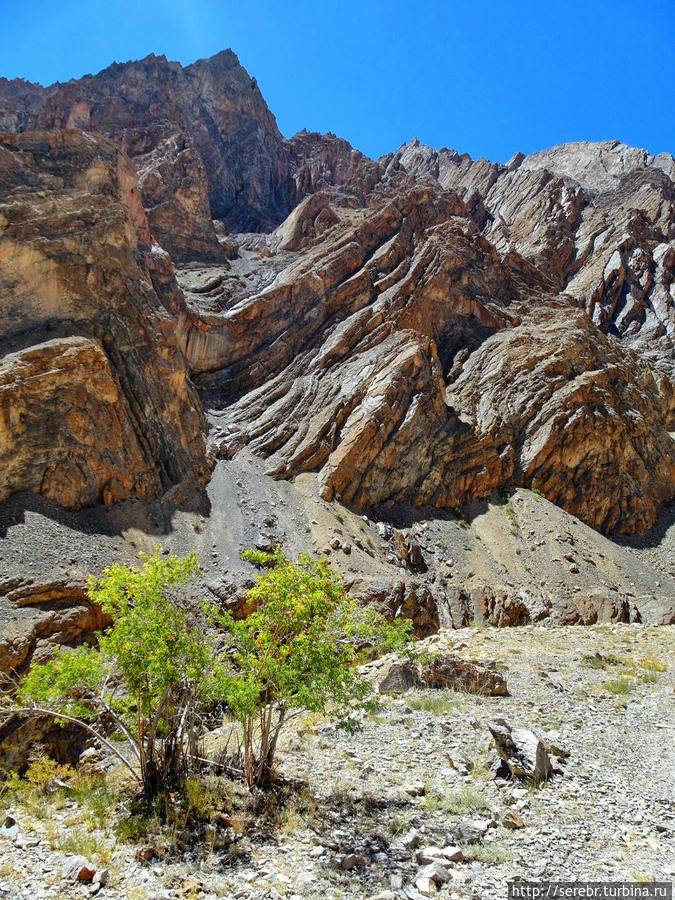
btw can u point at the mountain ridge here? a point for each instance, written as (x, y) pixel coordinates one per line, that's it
(217, 337)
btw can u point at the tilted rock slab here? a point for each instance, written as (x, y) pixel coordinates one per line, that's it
(522, 751)
(446, 671)
(403, 361)
(96, 403)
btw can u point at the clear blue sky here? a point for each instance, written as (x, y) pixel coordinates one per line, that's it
(485, 77)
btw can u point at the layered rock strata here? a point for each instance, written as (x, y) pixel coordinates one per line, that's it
(597, 220)
(423, 328)
(399, 356)
(96, 401)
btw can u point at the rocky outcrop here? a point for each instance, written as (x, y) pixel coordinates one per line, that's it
(595, 219)
(421, 329)
(397, 355)
(89, 343)
(68, 432)
(400, 598)
(445, 671)
(581, 417)
(38, 617)
(326, 163)
(204, 143)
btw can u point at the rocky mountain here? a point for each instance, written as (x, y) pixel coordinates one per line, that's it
(88, 342)
(218, 337)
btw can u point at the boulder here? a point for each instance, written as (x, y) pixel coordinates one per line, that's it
(444, 672)
(522, 751)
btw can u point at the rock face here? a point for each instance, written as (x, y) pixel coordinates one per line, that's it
(89, 343)
(596, 220)
(203, 141)
(399, 356)
(583, 418)
(423, 329)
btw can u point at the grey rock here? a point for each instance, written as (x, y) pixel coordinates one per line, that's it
(522, 751)
(78, 868)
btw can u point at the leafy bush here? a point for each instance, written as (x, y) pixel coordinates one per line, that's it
(154, 671)
(146, 678)
(297, 651)
(44, 770)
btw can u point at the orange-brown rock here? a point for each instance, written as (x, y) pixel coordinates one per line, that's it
(67, 429)
(39, 617)
(399, 357)
(96, 402)
(582, 418)
(36, 618)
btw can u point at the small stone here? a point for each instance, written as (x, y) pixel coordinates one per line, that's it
(453, 854)
(425, 886)
(353, 861)
(414, 789)
(428, 855)
(263, 543)
(412, 840)
(436, 873)
(78, 868)
(512, 819)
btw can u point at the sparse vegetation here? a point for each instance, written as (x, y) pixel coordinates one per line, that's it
(619, 685)
(490, 854)
(296, 652)
(652, 665)
(466, 799)
(438, 703)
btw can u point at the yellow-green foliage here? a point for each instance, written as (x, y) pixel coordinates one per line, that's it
(298, 649)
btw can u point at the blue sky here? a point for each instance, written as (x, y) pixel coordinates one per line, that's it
(487, 78)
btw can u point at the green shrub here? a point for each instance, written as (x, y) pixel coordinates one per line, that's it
(297, 651)
(43, 769)
(147, 676)
(155, 670)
